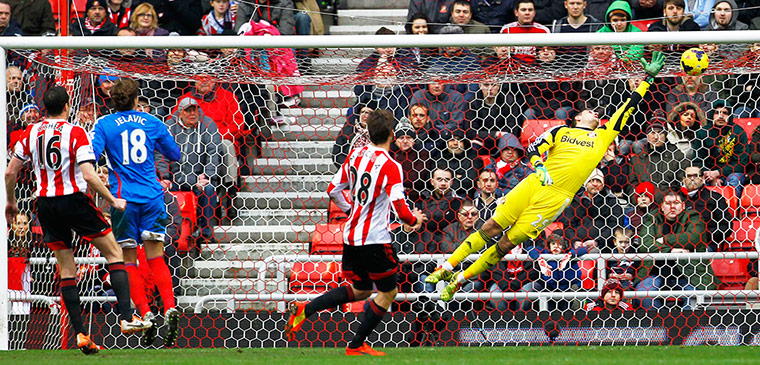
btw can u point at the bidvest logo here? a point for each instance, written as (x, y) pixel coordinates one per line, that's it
(567, 139)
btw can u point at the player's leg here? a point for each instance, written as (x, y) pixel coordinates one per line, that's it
(373, 315)
(125, 230)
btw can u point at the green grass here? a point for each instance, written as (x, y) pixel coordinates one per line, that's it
(443, 355)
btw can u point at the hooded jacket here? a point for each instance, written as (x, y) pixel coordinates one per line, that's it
(722, 148)
(734, 24)
(509, 176)
(201, 152)
(662, 166)
(627, 53)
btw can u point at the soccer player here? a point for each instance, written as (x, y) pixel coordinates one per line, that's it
(128, 138)
(375, 180)
(573, 153)
(62, 157)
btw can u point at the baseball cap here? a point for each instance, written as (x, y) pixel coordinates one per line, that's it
(186, 102)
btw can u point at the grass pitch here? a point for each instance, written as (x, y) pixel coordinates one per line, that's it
(439, 355)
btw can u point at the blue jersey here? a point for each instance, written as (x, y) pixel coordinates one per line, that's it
(129, 140)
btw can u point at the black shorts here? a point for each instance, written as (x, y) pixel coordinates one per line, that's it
(364, 265)
(61, 214)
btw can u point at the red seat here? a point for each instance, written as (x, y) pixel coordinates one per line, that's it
(732, 273)
(748, 124)
(742, 236)
(532, 128)
(314, 277)
(334, 214)
(750, 201)
(553, 226)
(729, 193)
(587, 268)
(643, 24)
(327, 239)
(188, 206)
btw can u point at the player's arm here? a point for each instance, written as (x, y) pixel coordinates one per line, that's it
(394, 188)
(619, 119)
(98, 138)
(340, 182)
(536, 149)
(91, 177)
(166, 145)
(11, 177)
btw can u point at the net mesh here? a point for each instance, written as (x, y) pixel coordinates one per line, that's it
(266, 232)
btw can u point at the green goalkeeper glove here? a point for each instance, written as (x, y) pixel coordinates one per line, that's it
(543, 175)
(654, 67)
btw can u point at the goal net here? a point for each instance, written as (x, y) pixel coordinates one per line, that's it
(264, 233)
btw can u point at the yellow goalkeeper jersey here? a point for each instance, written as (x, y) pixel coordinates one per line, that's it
(572, 153)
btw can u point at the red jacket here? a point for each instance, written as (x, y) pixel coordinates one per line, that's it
(224, 109)
(526, 54)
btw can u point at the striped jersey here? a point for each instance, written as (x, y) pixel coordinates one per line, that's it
(375, 180)
(56, 148)
(526, 54)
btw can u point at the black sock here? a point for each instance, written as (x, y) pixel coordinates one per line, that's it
(70, 295)
(333, 298)
(120, 285)
(372, 317)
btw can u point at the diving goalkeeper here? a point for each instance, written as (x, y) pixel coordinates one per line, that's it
(572, 154)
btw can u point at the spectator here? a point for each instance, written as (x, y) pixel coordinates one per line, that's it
(592, 215)
(753, 172)
(624, 269)
(419, 25)
(94, 23)
(694, 90)
(445, 106)
(673, 229)
(459, 157)
(685, 120)
(724, 16)
(8, 26)
(576, 21)
(675, 20)
(427, 135)
(611, 298)
(494, 13)
(616, 167)
(28, 115)
(16, 94)
(647, 9)
(383, 65)
(119, 12)
(354, 133)
(87, 115)
(221, 18)
(618, 20)
(34, 16)
(103, 103)
(487, 194)
(659, 162)
(144, 21)
(440, 206)
(550, 100)
(437, 12)
(491, 112)
(510, 164)
(748, 90)
(461, 15)
(280, 13)
(467, 218)
(456, 61)
(200, 142)
(412, 157)
(701, 10)
(180, 16)
(549, 11)
(721, 148)
(645, 204)
(710, 205)
(525, 12)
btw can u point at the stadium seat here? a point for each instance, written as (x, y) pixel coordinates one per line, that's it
(532, 128)
(750, 201)
(334, 214)
(748, 124)
(313, 277)
(188, 205)
(731, 272)
(327, 239)
(553, 226)
(643, 24)
(742, 236)
(729, 193)
(587, 268)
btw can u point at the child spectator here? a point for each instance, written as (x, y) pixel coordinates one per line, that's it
(644, 197)
(623, 270)
(611, 298)
(222, 17)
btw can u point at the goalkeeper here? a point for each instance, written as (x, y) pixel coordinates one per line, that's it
(572, 153)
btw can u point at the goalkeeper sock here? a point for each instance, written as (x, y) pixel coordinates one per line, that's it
(137, 289)
(163, 280)
(372, 317)
(70, 296)
(473, 243)
(331, 299)
(489, 258)
(120, 284)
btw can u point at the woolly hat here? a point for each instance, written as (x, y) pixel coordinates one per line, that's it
(596, 174)
(613, 284)
(645, 188)
(404, 128)
(27, 108)
(91, 3)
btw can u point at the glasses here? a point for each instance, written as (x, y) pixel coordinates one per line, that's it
(145, 15)
(468, 214)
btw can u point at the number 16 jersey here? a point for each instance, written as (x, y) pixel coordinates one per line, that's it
(129, 139)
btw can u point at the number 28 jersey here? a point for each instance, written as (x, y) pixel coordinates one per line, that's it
(376, 182)
(129, 139)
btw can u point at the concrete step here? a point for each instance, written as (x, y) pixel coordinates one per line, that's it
(297, 149)
(374, 4)
(377, 17)
(256, 217)
(215, 269)
(364, 29)
(272, 238)
(215, 286)
(300, 166)
(315, 116)
(272, 184)
(281, 200)
(249, 251)
(355, 53)
(301, 133)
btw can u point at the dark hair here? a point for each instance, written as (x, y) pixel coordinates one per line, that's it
(443, 166)
(128, 29)
(678, 3)
(55, 100)
(5, 2)
(380, 126)
(518, 2)
(557, 236)
(384, 31)
(414, 17)
(490, 171)
(123, 94)
(462, 3)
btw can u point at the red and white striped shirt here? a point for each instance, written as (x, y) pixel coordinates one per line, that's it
(526, 54)
(375, 180)
(56, 149)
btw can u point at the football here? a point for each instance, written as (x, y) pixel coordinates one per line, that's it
(694, 61)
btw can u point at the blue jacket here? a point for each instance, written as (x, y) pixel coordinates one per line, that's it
(560, 279)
